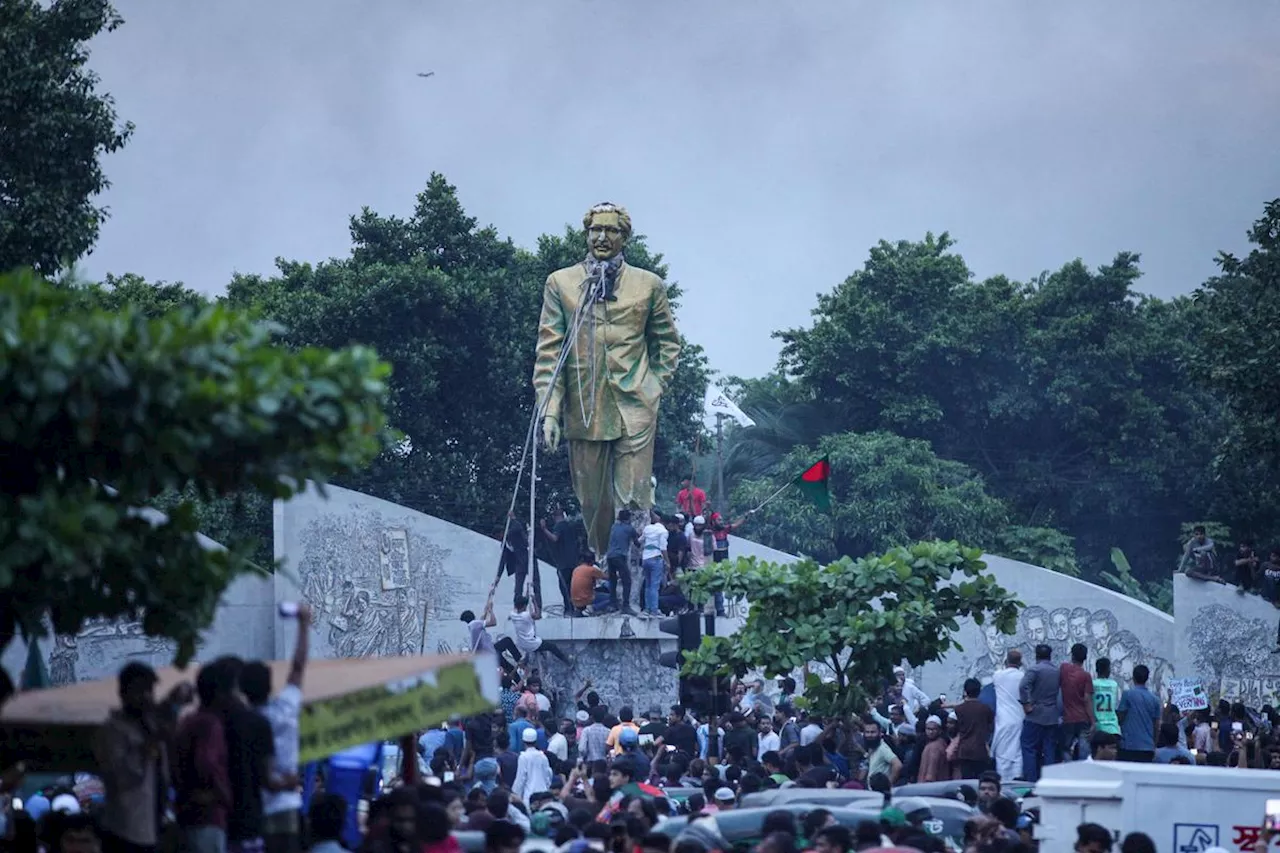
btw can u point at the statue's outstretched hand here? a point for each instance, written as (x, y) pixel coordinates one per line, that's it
(551, 433)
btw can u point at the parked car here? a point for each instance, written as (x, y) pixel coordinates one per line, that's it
(828, 797)
(741, 827)
(472, 841)
(951, 788)
(945, 816)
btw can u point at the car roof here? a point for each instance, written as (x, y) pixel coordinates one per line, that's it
(817, 796)
(743, 823)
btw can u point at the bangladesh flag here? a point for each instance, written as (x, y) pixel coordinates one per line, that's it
(813, 482)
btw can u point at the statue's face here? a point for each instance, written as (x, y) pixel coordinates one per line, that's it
(605, 237)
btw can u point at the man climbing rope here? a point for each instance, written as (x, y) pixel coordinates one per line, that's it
(526, 633)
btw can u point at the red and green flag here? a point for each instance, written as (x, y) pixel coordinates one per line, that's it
(814, 482)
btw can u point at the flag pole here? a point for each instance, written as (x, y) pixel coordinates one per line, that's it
(722, 498)
(785, 486)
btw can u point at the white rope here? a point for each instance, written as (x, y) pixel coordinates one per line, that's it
(585, 308)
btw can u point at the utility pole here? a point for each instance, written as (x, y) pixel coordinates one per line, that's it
(722, 503)
(713, 725)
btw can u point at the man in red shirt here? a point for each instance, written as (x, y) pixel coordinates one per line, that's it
(1077, 704)
(691, 500)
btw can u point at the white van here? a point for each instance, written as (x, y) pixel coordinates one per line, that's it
(1184, 809)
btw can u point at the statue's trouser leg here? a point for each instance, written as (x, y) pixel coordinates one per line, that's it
(608, 475)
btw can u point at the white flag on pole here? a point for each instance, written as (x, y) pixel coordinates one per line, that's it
(718, 403)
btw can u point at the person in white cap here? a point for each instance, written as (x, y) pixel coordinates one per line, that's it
(698, 552)
(912, 696)
(725, 799)
(701, 545)
(65, 803)
(533, 770)
(934, 766)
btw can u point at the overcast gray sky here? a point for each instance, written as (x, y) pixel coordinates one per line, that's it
(763, 146)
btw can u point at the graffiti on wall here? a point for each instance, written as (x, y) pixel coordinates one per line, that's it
(1234, 651)
(377, 589)
(101, 647)
(1061, 628)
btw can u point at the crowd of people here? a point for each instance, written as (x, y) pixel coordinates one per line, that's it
(592, 584)
(224, 776)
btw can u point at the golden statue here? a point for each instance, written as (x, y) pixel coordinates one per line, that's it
(611, 327)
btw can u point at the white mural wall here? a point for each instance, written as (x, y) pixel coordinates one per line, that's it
(385, 580)
(1061, 611)
(244, 626)
(1230, 640)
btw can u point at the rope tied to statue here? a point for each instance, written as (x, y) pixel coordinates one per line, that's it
(599, 286)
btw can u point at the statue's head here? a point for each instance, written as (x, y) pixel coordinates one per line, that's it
(608, 228)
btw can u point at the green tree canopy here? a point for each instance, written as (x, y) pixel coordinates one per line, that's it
(102, 411)
(1239, 324)
(56, 129)
(1068, 394)
(885, 490)
(857, 618)
(1039, 546)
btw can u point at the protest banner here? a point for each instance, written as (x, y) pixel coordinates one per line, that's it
(387, 711)
(1188, 694)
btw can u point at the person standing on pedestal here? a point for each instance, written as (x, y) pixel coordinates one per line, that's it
(604, 401)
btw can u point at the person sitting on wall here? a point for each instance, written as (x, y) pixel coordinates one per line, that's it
(583, 584)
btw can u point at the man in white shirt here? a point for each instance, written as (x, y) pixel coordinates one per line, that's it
(811, 732)
(282, 804)
(558, 743)
(533, 771)
(769, 739)
(654, 561)
(1006, 741)
(912, 696)
(525, 633)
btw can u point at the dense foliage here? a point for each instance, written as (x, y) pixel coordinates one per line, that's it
(1240, 346)
(103, 411)
(54, 127)
(1093, 412)
(856, 619)
(885, 490)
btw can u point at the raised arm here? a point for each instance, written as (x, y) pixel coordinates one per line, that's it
(302, 647)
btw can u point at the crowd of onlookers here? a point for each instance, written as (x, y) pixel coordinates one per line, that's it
(668, 544)
(223, 774)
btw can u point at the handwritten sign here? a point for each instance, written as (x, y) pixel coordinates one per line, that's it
(1188, 694)
(1263, 690)
(388, 711)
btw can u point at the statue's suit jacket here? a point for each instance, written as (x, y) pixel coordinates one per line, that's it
(637, 348)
